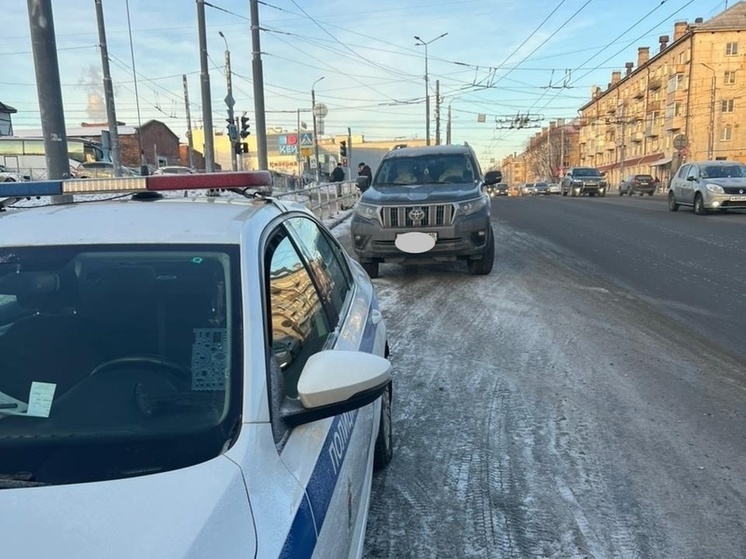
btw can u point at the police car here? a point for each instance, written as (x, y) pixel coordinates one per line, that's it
(184, 376)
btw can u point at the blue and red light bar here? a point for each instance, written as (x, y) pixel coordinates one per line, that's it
(154, 183)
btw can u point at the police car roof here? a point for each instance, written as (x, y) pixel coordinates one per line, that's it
(214, 220)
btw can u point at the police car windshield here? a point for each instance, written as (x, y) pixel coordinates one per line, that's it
(117, 361)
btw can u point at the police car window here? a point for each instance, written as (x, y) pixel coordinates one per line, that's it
(298, 324)
(326, 263)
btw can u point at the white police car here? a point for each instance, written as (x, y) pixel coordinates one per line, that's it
(186, 377)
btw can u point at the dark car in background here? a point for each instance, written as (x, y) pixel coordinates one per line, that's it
(541, 189)
(637, 184)
(584, 180)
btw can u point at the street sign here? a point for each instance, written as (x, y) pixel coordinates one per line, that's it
(305, 152)
(313, 163)
(681, 141)
(320, 110)
(306, 139)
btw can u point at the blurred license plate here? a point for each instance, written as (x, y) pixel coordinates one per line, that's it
(738, 198)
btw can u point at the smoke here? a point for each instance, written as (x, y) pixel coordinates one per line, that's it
(93, 82)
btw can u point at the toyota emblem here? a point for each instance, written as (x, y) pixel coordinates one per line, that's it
(416, 214)
(740, 191)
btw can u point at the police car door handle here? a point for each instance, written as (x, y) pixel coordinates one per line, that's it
(376, 316)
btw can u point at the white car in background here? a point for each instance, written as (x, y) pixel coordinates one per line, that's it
(194, 378)
(554, 188)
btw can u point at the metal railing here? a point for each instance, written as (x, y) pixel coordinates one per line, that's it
(323, 199)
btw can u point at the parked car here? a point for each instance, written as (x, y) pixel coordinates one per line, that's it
(554, 188)
(7, 175)
(220, 366)
(584, 180)
(637, 184)
(709, 185)
(425, 205)
(101, 170)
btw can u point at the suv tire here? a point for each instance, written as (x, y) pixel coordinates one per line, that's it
(371, 268)
(484, 265)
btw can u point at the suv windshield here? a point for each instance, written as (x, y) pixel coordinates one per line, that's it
(117, 361)
(586, 173)
(431, 168)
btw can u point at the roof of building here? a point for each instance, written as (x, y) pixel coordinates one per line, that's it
(7, 109)
(732, 18)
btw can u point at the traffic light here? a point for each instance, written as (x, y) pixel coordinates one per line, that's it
(343, 148)
(232, 132)
(245, 126)
(237, 148)
(244, 147)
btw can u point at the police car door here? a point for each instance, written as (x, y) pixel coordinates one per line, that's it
(310, 297)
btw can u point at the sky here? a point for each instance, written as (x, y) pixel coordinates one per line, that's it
(499, 59)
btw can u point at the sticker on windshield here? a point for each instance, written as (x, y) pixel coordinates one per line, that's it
(40, 399)
(209, 358)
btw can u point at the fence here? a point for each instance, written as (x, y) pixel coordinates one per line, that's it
(323, 199)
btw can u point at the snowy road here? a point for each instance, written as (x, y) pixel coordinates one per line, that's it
(544, 412)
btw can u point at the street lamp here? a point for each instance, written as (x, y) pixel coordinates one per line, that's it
(711, 127)
(230, 102)
(427, 88)
(315, 135)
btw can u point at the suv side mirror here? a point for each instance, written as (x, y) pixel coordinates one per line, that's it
(492, 177)
(362, 183)
(691, 178)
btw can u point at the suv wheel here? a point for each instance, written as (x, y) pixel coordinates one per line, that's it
(699, 205)
(484, 265)
(672, 205)
(371, 268)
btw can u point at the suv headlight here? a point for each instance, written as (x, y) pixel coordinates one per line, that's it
(715, 188)
(367, 211)
(471, 206)
(577, 182)
(602, 183)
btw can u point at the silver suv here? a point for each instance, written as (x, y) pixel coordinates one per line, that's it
(709, 185)
(425, 205)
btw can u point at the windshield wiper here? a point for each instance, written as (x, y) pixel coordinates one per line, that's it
(171, 403)
(19, 479)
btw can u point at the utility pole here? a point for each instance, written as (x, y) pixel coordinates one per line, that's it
(206, 95)
(190, 143)
(427, 87)
(448, 126)
(437, 112)
(111, 113)
(49, 90)
(711, 125)
(230, 102)
(349, 153)
(258, 75)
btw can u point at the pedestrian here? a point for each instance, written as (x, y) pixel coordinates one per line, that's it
(338, 174)
(364, 171)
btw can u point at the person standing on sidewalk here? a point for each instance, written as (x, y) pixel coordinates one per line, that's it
(364, 171)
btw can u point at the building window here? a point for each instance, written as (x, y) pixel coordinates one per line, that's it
(731, 49)
(727, 105)
(729, 78)
(726, 133)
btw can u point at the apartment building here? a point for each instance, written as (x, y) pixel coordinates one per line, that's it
(513, 168)
(552, 150)
(684, 102)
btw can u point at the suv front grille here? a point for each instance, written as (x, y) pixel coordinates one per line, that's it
(401, 216)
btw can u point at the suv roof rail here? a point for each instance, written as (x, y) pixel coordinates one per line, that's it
(399, 146)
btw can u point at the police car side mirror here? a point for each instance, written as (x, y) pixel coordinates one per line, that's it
(691, 178)
(334, 382)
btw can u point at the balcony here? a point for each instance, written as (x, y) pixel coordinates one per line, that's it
(674, 122)
(654, 106)
(636, 137)
(639, 93)
(654, 83)
(652, 131)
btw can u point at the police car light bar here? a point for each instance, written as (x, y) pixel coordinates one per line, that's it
(204, 181)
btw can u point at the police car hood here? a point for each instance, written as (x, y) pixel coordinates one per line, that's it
(201, 511)
(420, 193)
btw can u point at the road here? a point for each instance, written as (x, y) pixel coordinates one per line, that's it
(587, 399)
